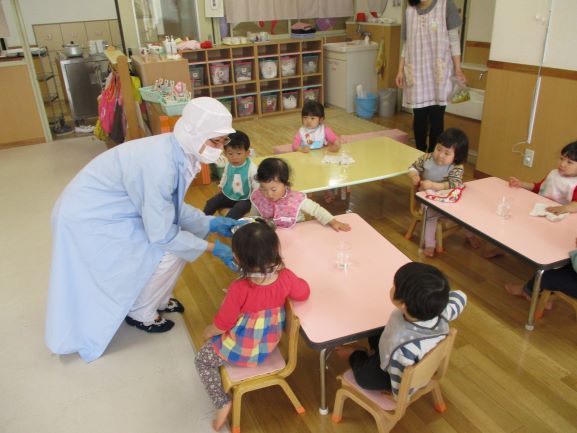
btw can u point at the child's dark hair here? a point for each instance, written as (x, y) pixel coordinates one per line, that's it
(273, 169)
(456, 139)
(570, 151)
(238, 140)
(423, 289)
(313, 108)
(257, 248)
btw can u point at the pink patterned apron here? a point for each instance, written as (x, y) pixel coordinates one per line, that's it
(428, 61)
(283, 212)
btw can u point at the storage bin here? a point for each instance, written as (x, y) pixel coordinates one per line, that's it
(243, 71)
(310, 64)
(289, 100)
(172, 109)
(219, 72)
(245, 106)
(197, 75)
(227, 103)
(311, 94)
(269, 102)
(149, 94)
(288, 66)
(268, 68)
(387, 102)
(366, 107)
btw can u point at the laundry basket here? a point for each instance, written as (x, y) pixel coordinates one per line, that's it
(310, 64)
(245, 106)
(288, 66)
(311, 94)
(269, 102)
(243, 71)
(268, 69)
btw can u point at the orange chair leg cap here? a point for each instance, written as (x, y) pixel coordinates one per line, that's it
(440, 408)
(236, 430)
(337, 419)
(300, 409)
(439, 250)
(538, 316)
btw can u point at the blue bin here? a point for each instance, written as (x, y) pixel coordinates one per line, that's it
(366, 107)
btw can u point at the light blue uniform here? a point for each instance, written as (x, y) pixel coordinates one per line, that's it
(111, 227)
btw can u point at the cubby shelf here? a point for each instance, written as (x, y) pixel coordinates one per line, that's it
(230, 67)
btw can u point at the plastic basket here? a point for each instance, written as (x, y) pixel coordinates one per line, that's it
(197, 75)
(149, 94)
(288, 66)
(268, 69)
(245, 106)
(290, 100)
(243, 71)
(311, 94)
(227, 103)
(310, 64)
(366, 107)
(172, 109)
(269, 102)
(220, 73)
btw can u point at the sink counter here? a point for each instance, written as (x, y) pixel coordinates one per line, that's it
(345, 47)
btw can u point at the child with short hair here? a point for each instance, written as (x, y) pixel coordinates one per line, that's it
(560, 184)
(237, 180)
(275, 200)
(237, 336)
(438, 170)
(314, 134)
(425, 306)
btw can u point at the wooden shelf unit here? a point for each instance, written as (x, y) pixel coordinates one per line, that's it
(232, 74)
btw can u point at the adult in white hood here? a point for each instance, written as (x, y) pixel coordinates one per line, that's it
(122, 233)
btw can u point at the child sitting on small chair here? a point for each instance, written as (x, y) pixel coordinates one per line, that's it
(237, 180)
(560, 184)
(274, 200)
(425, 306)
(237, 335)
(441, 169)
(314, 134)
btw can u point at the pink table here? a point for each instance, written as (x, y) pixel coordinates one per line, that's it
(344, 305)
(542, 243)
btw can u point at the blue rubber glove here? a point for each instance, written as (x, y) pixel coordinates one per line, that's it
(224, 253)
(222, 225)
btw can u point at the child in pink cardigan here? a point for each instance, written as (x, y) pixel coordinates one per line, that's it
(314, 134)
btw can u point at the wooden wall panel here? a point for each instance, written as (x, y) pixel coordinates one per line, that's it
(506, 119)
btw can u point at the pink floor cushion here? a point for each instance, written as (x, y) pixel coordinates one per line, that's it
(274, 362)
(385, 401)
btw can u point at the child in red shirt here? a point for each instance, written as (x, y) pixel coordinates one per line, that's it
(257, 297)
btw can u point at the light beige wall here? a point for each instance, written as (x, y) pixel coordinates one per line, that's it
(480, 20)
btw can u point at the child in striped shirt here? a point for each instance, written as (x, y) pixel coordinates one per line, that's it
(425, 306)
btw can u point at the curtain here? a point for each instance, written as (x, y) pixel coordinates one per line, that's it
(238, 11)
(4, 30)
(371, 5)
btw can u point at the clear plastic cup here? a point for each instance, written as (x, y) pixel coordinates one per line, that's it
(343, 255)
(504, 207)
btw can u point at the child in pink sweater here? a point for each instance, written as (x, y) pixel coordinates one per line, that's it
(314, 134)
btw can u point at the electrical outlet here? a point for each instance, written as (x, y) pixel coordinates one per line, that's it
(528, 157)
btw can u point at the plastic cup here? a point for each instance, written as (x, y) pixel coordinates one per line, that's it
(504, 207)
(343, 255)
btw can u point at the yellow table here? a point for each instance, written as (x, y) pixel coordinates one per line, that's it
(375, 159)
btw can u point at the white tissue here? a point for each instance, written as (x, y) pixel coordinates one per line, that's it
(539, 211)
(361, 91)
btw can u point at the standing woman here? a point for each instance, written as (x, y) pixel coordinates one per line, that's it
(431, 55)
(122, 233)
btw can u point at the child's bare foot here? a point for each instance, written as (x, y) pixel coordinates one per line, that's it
(473, 242)
(429, 251)
(221, 416)
(329, 196)
(514, 289)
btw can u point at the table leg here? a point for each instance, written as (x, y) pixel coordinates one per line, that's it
(534, 298)
(423, 222)
(323, 410)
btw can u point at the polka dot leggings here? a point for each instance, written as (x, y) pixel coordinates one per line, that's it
(208, 363)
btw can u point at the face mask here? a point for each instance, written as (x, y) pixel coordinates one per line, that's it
(209, 155)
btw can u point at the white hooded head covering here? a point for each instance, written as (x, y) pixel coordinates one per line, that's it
(202, 118)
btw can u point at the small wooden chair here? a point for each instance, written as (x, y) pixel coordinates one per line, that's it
(273, 371)
(423, 376)
(548, 295)
(417, 213)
